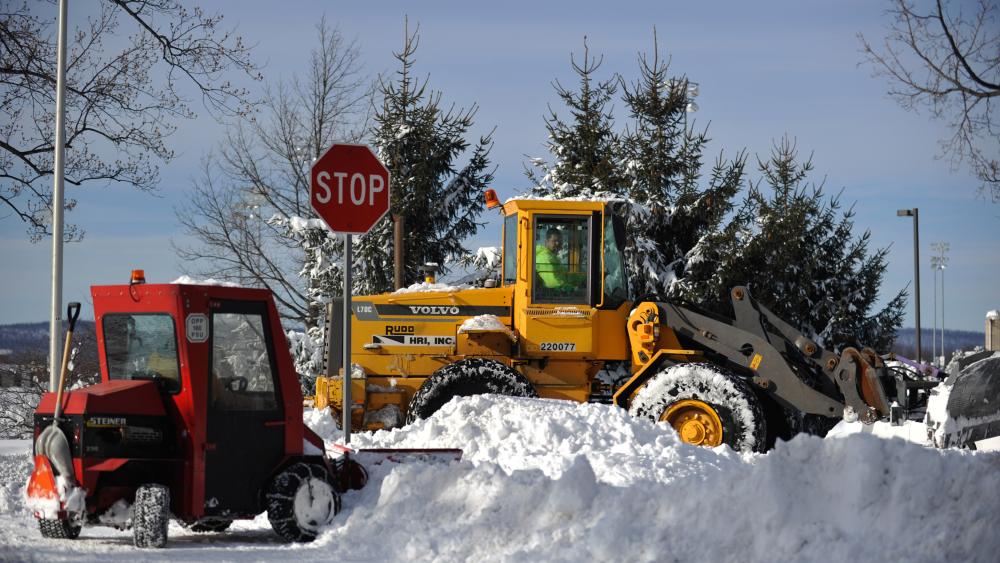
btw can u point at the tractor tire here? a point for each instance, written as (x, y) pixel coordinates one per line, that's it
(473, 376)
(150, 516)
(211, 526)
(706, 405)
(59, 529)
(300, 501)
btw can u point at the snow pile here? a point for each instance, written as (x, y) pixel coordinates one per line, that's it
(188, 280)
(911, 431)
(486, 323)
(424, 287)
(556, 481)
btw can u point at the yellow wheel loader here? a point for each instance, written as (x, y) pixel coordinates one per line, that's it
(561, 312)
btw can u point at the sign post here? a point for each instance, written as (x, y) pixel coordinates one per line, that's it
(349, 190)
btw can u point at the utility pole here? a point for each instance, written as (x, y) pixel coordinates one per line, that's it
(55, 318)
(915, 213)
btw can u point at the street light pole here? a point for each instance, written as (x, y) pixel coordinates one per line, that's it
(939, 263)
(55, 318)
(915, 213)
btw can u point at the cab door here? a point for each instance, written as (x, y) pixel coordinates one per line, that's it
(245, 418)
(558, 321)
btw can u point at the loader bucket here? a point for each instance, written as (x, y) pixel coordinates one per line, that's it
(967, 407)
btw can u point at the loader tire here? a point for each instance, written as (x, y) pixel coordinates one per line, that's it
(473, 376)
(301, 500)
(150, 516)
(699, 401)
(59, 529)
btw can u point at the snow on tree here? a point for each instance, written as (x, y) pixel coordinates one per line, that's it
(655, 166)
(796, 250)
(421, 143)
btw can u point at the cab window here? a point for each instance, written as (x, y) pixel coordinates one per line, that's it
(510, 249)
(561, 261)
(615, 278)
(242, 371)
(142, 346)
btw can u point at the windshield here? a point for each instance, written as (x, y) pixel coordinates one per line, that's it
(142, 346)
(561, 263)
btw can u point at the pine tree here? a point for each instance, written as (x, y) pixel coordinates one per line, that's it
(661, 156)
(796, 250)
(585, 149)
(655, 165)
(421, 144)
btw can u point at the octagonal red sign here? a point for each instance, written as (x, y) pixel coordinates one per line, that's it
(349, 188)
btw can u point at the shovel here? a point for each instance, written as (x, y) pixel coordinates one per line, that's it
(52, 441)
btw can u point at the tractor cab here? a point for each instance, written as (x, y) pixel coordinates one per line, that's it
(210, 351)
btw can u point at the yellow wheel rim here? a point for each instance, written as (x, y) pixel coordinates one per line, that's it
(695, 421)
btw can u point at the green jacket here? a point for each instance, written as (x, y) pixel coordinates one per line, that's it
(550, 270)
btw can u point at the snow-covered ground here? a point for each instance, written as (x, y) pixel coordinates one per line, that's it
(555, 481)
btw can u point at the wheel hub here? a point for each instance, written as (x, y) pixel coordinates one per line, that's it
(314, 504)
(696, 422)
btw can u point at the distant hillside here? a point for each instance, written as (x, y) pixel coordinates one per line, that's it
(906, 341)
(33, 338)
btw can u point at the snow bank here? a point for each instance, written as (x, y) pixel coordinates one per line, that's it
(424, 287)
(911, 431)
(555, 481)
(558, 481)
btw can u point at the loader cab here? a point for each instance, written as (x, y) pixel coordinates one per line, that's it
(565, 263)
(569, 253)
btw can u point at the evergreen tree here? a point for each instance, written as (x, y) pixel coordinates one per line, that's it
(655, 165)
(661, 156)
(421, 144)
(585, 149)
(796, 250)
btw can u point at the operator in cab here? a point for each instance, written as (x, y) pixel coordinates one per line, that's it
(551, 270)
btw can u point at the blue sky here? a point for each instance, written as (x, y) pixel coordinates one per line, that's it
(764, 70)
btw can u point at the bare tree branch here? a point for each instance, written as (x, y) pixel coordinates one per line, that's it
(122, 102)
(247, 209)
(949, 62)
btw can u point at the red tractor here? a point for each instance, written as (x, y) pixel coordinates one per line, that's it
(198, 417)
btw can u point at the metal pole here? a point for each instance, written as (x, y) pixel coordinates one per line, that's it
(944, 355)
(397, 247)
(346, 423)
(916, 274)
(55, 318)
(934, 334)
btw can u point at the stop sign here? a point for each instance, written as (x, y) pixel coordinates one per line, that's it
(349, 188)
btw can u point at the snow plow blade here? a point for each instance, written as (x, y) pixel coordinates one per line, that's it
(967, 408)
(378, 456)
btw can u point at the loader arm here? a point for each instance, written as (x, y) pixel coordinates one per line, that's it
(784, 364)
